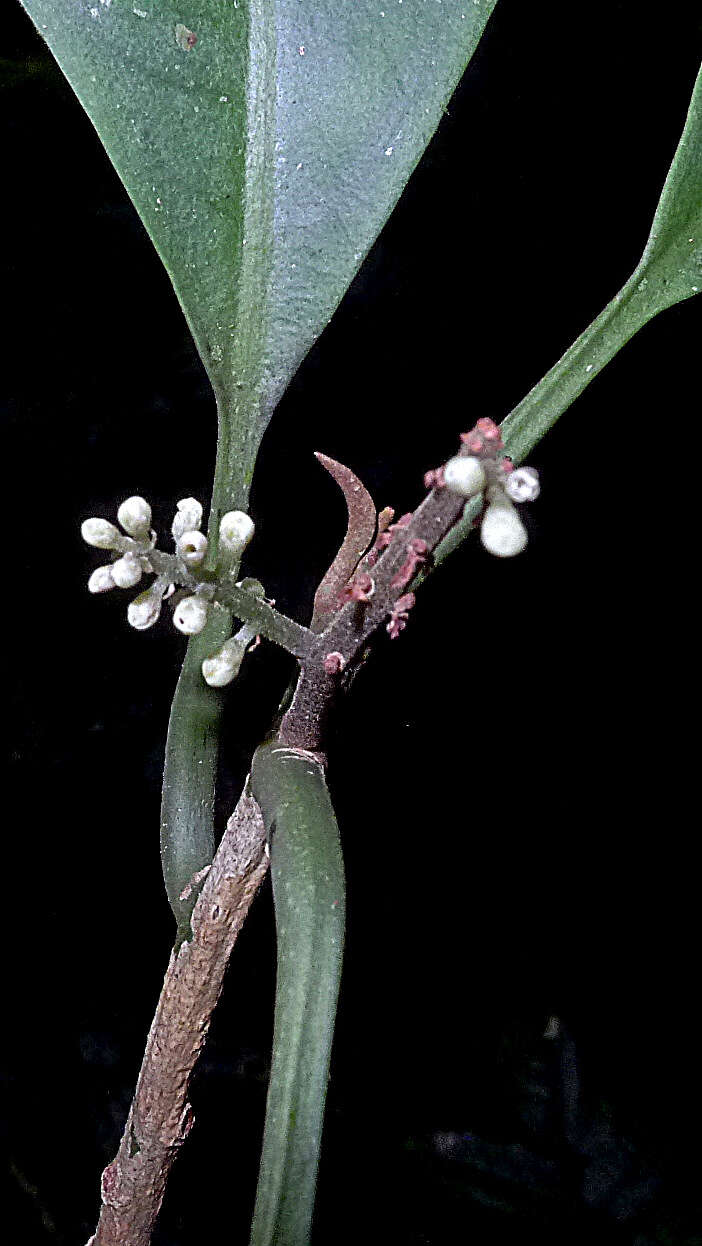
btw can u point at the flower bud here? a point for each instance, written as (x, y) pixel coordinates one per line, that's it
(464, 475)
(224, 665)
(101, 533)
(144, 611)
(188, 517)
(252, 586)
(190, 615)
(126, 572)
(235, 531)
(522, 485)
(502, 531)
(135, 517)
(101, 581)
(192, 547)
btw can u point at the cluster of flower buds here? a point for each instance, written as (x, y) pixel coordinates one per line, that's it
(130, 551)
(134, 554)
(481, 467)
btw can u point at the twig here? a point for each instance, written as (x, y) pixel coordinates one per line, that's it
(392, 567)
(244, 604)
(160, 1116)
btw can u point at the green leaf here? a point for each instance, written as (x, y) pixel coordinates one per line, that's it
(309, 894)
(264, 144)
(670, 271)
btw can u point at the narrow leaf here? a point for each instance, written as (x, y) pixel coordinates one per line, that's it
(670, 271)
(309, 894)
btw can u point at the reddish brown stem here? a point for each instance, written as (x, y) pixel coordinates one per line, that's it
(160, 1117)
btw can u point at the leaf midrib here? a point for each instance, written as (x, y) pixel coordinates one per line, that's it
(240, 392)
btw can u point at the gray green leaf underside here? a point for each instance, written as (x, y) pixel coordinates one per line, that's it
(264, 144)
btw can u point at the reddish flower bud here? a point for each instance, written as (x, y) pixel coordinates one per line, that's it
(473, 441)
(359, 589)
(418, 546)
(334, 662)
(489, 429)
(434, 479)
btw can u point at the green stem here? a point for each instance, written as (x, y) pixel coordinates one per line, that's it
(581, 363)
(190, 772)
(192, 744)
(532, 418)
(309, 896)
(187, 827)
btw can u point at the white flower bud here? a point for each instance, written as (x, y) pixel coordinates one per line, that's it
(101, 581)
(126, 572)
(188, 517)
(252, 586)
(101, 533)
(144, 611)
(502, 531)
(522, 485)
(236, 529)
(135, 517)
(190, 615)
(192, 547)
(464, 475)
(224, 665)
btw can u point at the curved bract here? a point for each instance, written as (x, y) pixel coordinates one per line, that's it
(309, 895)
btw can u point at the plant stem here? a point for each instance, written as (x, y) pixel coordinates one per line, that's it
(531, 419)
(190, 772)
(309, 896)
(160, 1116)
(538, 411)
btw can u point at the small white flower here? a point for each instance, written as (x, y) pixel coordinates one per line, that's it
(126, 572)
(224, 665)
(522, 485)
(192, 548)
(144, 611)
(236, 529)
(464, 475)
(135, 517)
(190, 615)
(502, 531)
(101, 581)
(101, 533)
(188, 517)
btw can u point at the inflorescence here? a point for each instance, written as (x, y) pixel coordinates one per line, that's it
(483, 467)
(135, 554)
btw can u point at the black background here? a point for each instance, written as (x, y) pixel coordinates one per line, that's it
(514, 778)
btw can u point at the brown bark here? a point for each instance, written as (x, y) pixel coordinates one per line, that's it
(160, 1117)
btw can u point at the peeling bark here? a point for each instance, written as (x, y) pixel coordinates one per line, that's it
(160, 1117)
